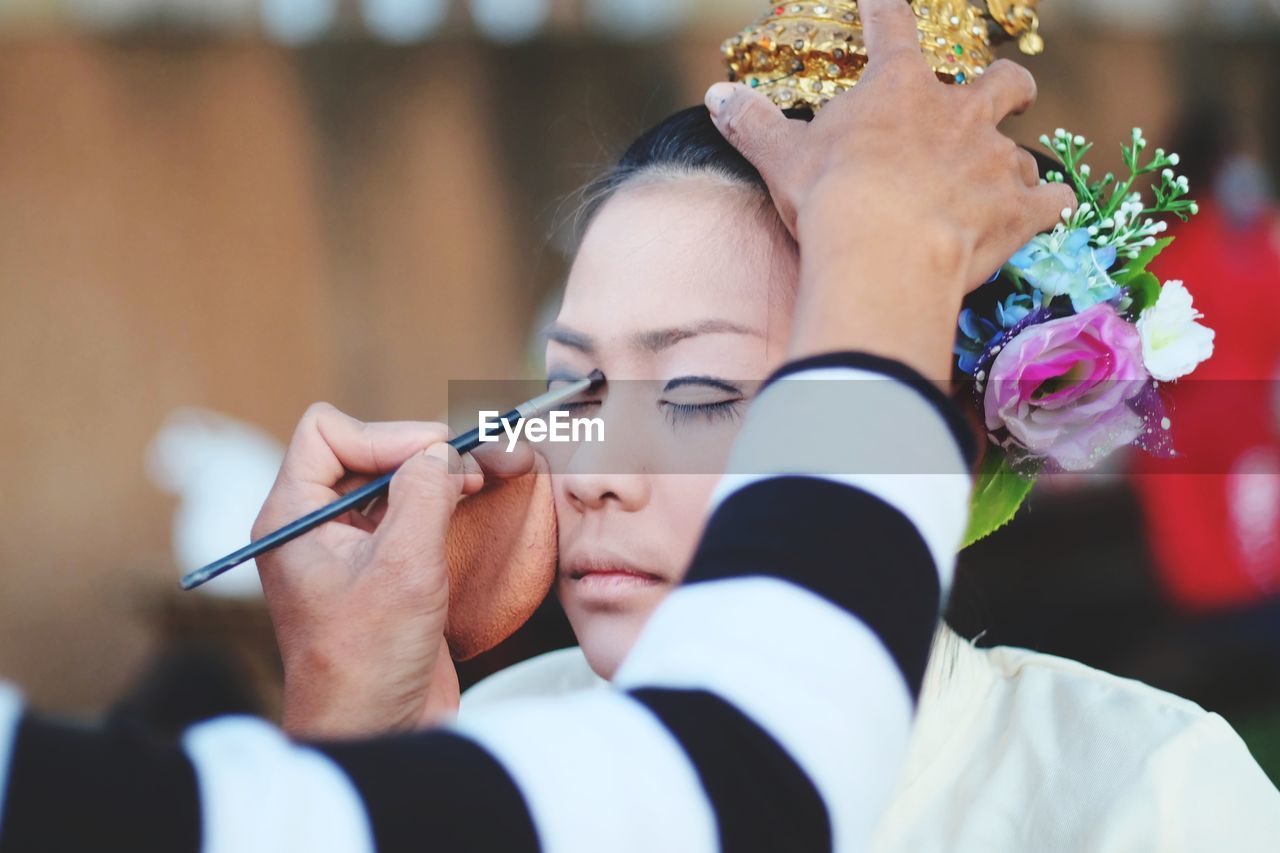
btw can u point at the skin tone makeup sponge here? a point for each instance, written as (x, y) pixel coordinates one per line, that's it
(502, 553)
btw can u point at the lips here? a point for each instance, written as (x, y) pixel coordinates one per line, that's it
(606, 567)
(606, 583)
(609, 571)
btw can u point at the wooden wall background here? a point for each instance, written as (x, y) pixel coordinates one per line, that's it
(230, 224)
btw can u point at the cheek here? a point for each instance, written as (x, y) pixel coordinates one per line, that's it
(684, 500)
(565, 515)
(701, 449)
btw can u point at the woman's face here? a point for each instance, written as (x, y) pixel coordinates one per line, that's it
(681, 293)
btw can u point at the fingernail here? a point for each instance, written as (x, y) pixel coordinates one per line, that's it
(717, 96)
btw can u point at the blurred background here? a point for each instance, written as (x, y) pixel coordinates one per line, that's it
(213, 212)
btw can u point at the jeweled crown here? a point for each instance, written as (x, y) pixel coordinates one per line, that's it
(803, 54)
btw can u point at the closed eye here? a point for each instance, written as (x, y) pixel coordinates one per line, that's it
(705, 398)
(721, 410)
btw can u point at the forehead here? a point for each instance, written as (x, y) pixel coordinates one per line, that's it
(677, 250)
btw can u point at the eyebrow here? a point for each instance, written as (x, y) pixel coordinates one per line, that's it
(654, 340)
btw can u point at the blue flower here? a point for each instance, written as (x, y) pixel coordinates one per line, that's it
(975, 333)
(1062, 263)
(978, 334)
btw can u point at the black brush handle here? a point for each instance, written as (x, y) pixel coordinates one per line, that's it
(352, 500)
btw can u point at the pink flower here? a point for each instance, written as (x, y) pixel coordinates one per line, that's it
(1061, 388)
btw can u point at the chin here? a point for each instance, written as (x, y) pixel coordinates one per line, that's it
(606, 637)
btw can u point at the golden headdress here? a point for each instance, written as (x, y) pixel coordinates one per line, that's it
(803, 54)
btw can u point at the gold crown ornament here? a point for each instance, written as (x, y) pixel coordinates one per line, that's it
(804, 54)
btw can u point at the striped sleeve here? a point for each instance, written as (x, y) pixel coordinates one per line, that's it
(766, 705)
(785, 670)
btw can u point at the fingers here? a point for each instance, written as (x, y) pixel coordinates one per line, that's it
(495, 461)
(1046, 204)
(889, 30)
(1028, 167)
(472, 475)
(752, 123)
(421, 500)
(325, 446)
(1010, 88)
(328, 443)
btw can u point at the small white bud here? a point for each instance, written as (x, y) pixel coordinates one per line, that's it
(1066, 214)
(1044, 139)
(1168, 174)
(1161, 227)
(1195, 208)
(1175, 159)
(1093, 230)
(1086, 170)
(1079, 140)
(1059, 133)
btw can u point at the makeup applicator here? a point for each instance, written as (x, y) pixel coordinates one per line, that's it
(464, 443)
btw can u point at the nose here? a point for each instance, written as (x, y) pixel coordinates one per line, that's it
(590, 482)
(596, 491)
(613, 472)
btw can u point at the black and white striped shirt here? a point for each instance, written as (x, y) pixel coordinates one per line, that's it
(766, 705)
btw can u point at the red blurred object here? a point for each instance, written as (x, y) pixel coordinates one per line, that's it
(1213, 512)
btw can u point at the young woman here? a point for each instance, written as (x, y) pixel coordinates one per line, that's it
(686, 278)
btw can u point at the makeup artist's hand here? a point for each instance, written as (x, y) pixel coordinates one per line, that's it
(359, 604)
(902, 193)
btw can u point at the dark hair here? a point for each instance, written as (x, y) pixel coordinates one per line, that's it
(687, 142)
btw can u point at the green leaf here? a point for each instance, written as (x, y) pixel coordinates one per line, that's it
(1144, 290)
(998, 493)
(1138, 266)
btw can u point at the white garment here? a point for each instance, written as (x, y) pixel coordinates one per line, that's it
(1018, 751)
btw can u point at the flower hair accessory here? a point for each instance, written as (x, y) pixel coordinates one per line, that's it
(1067, 353)
(1067, 344)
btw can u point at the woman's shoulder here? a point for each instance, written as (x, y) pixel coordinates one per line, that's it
(551, 674)
(1149, 768)
(1110, 723)
(1033, 677)
(1016, 747)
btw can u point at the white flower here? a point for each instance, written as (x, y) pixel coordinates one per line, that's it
(1173, 343)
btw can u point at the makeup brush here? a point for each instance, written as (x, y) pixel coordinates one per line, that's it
(464, 443)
